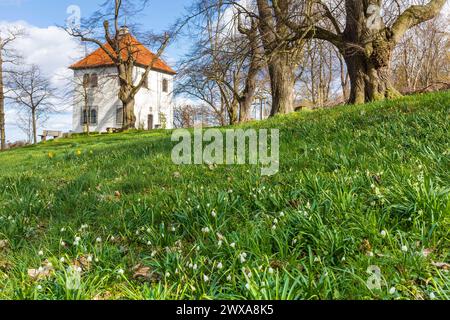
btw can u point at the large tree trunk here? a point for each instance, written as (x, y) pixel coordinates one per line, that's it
(2, 107)
(370, 77)
(126, 96)
(282, 80)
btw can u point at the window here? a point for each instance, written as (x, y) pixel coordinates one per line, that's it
(93, 116)
(165, 85)
(94, 80)
(86, 80)
(119, 116)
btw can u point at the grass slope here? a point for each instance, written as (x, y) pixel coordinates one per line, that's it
(359, 186)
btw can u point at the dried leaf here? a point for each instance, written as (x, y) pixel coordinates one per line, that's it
(4, 244)
(427, 252)
(145, 273)
(117, 194)
(441, 265)
(366, 246)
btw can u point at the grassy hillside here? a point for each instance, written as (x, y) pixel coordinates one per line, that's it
(358, 186)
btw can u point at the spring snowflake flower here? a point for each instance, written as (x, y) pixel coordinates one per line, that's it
(243, 257)
(229, 278)
(41, 253)
(247, 286)
(167, 274)
(89, 258)
(98, 240)
(63, 229)
(120, 272)
(404, 248)
(282, 214)
(432, 296)
(271, 271)
(62, 260)
(219, 265)
(384, 233)
(214, 214)
(233, 245)
(39, 288)
(370, 254)
(219, 244)
(393, 290)
(205, 230)
(205, 278)
(194, 267)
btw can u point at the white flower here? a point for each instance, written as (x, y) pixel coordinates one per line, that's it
(281, 214)
(89, 258)
(120, 271)
(173, 229)
(63, 229)
(243, 257)
(153, 254)
(384, 233)
(229, 278)
(404, 248)
(271, 271)
(98, 240)
(62, 259)
(205, 278)
(370, 254)
(167, 274)
(41, 253)
(233, 245)
(205, 230)
(219, 265)
(39, 287)
(149, 243)
(195, 267)
(392, 290)
(247, 286)
(432, 296)
(63, 244)
(78, 269)
(274, 227)
(214, 214)
(112, 238)
(219, 244)
(275, 221)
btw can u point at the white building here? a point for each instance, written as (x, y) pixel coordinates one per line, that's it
(96, 79)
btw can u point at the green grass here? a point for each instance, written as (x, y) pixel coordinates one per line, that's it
(346, 176)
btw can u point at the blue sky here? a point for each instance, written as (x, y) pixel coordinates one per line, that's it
(53, 50)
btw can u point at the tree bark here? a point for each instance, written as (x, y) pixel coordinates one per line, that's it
(126, 95)
(2, 107)
(34, 126)
(282, 78)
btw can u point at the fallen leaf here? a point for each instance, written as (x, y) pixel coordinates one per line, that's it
(103, 296)
(145, 273)
(4, 244)
(117, 194)
(365, 246)
(441, 265)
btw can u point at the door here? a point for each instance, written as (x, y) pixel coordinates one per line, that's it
(150, 122)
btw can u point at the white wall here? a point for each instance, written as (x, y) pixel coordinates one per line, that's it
(105, 97)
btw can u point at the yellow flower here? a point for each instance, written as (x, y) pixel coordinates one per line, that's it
(78, 153)
(51, 155)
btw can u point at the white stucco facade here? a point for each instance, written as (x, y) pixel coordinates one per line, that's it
(152, 104)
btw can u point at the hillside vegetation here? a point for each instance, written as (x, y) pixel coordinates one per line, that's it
(360, 188)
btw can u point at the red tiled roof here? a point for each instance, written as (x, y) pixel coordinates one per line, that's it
(142, 56)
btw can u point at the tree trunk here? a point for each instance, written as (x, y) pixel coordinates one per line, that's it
(282, 80)
(2, 108)
(370, 77)
(129, 118)
(34, 127)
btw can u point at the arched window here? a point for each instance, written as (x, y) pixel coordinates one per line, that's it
(165, 85)
(93, 116)
(94, 80)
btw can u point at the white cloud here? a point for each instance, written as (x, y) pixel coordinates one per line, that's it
(53, 50)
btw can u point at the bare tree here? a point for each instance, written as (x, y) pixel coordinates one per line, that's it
(121, 48)
(365, 38)
(7, 56)
(32, 94)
